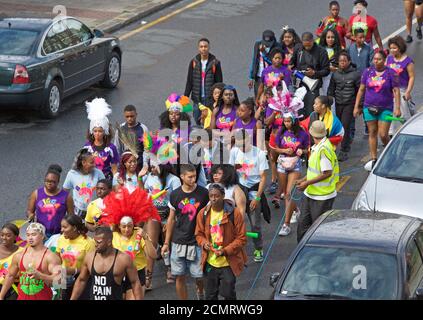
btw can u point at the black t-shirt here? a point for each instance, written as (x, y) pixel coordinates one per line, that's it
(187, 206)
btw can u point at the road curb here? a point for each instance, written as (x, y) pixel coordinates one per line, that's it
(134, 14)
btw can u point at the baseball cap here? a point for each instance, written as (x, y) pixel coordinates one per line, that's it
(318, 129)
(268, 38)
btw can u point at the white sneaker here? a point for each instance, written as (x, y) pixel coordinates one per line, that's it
(295, 215)
(285, 230)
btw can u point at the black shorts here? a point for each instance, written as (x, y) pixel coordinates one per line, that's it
(126, 284)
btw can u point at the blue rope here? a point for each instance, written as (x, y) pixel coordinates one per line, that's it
(265, 258)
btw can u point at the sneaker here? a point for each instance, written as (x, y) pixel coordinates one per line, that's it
(343, 156)
(258, 255)
(419, 32)
(295, 215)
(285, 230)
(273, 188)
(409, 39)
(276, 202)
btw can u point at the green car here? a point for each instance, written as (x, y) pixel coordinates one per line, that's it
(43, 61)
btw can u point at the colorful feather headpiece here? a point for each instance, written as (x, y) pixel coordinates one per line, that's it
(285, 103)
(137, 205)
(98, 110)
(179, 103)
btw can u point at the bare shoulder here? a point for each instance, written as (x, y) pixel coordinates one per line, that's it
(124, 258)
(53, 257)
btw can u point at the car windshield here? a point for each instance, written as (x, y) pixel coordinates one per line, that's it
(341, 273)
(403, 159)
(17, 42)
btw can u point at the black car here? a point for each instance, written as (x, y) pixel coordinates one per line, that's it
(42, 61)
(355, 255)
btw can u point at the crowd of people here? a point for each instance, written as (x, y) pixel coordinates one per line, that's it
(187, 193)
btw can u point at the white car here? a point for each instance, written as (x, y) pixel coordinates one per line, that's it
(395, 183)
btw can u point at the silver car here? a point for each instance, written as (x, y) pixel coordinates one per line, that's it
(395, 184)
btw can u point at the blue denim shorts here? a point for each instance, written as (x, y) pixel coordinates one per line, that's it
(297, 167)
(179, 266)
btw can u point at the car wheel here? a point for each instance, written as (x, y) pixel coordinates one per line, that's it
(53, 102)
(112, 76)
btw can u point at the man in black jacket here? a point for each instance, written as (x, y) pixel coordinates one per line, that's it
(313, 60)
(203, 72)
(261, 58)
(344, 85)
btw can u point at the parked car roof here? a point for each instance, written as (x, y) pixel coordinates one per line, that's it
(361, 229)
(414, 125)
(26, 23)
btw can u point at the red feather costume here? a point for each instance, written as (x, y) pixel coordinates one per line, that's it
(137, 205)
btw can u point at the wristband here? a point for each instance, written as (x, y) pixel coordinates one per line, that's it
(257, 198)
(140, 178)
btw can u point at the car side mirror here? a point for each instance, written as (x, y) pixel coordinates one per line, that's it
(98, 33)
(368, 166)
(419, 293)
(274, 277)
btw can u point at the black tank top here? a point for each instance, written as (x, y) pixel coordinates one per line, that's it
(104, 286)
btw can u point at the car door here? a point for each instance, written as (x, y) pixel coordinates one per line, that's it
(59, 45)
(91, 53)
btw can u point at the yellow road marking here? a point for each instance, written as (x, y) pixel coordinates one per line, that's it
(161, 19)
(342, 182)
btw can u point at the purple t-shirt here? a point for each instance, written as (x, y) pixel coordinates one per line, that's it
(270, 75)
(289, 140)
(400, 68)
(379, 88)
(225, 122)
(250, 125)
(50, 210)
(104, 157)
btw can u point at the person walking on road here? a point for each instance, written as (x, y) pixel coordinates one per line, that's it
(403, 65)
(100, 137)
(319, 185)
(361, 20)
(185, 203)
(72, 247)
(344, 86)
(37, 268)
(49, 203)
(261, 58)
(82, 180)
(291, 144)
(289, 39)
(8, 249)
(313, 60)
(380, 89)
(411, 6)
(104, 270)
(251, 165)
(204, 71)
(134, 130)
(334, 22)
(220, 232)
(360, 52)
(330, 41)
(95, 208)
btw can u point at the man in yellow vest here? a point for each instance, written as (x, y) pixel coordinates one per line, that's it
(319, 185)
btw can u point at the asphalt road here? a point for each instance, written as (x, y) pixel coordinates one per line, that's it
(155, 63)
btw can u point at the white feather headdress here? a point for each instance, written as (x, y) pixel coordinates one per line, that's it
(98, 110)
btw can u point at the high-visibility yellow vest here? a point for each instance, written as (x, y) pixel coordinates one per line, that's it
(328, 185)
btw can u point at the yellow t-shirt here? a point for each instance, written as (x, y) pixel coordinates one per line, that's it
(216, 233)
(128, 247)
(94, 211)
(5, 263)
(73, 251)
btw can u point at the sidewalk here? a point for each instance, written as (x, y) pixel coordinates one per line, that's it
(106, 15)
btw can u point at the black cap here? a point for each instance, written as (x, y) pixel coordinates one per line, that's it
(363, 2)
(268, 38)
